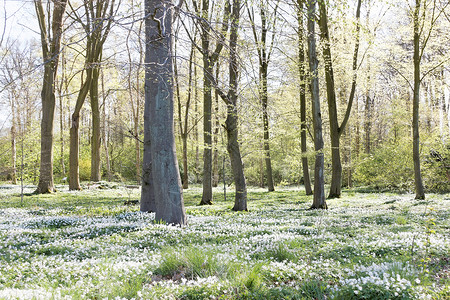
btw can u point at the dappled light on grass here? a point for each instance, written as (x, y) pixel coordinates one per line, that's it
(88, 244)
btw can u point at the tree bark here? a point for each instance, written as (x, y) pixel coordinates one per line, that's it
(96, 133)
(51, 43)
(215, 178)
(165, 175)
(420, 193)
(13, 149)
(303, 78)
(319, 201)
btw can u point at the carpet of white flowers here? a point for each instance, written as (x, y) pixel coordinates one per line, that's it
(90, 245)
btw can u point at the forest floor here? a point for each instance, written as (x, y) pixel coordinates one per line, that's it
(90, 245)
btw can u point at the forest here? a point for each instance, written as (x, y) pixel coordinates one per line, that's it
(224, 149)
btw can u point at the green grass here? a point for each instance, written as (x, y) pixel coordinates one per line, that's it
(90, 244)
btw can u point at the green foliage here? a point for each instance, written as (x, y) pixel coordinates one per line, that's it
(436, 167)
(388, 167)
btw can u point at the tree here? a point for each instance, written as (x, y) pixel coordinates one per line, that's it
(264, 53)
(303, 78)
(97, 27)
(51, 44)
(159, 145)
(319, 201)
(420, 192)
(336, 130)
(232, 121)
(209, 60)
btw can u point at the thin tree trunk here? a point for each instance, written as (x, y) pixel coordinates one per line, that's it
(105, 140)
(207, 195)
(215, 181)
(264, 102)
(319, 201)
(62, 90)
(420, 193)
(96, 133)
(303, 78)
(13, 146)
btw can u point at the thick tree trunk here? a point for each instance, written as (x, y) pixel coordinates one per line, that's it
(96, 133)
(420, 193)
(319, 201)
(165, 175)
(303, 78)
(51, 41)
(46, 184)
(148, 201)
(240, 200)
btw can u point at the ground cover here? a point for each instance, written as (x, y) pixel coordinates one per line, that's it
(90, 245)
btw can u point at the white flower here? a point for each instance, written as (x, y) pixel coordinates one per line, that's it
(417, 280)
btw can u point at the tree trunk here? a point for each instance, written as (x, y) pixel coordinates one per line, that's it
(336, 167)
(420, 193)
(105, 140)
(207, 195)
(96, 133)
(13, 153)
(62, 90)
(336, 130)
(215, 178)
(46, 184)
(51, 41)
(319, 201)
(303, 78)
(264, 100)
(209, 61)
(74, 169)
(148, 201)
(74, 151)
(240, 201)
(165, 175)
